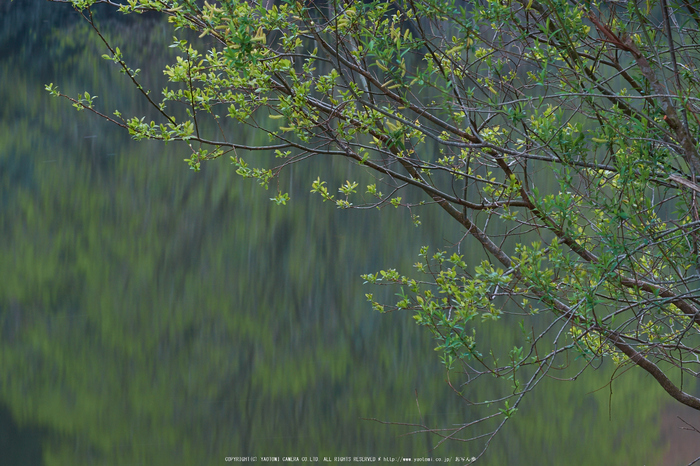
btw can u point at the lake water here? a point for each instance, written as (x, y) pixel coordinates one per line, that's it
(152, 315)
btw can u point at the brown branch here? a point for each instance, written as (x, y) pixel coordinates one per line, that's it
(687, 143)
(639, 359)
(634, 355)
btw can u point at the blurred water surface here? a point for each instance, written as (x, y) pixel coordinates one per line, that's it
(151, 315)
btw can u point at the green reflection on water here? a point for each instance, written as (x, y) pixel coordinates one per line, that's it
(150, 315)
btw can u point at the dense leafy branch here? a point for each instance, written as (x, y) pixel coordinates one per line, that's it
(550, 131)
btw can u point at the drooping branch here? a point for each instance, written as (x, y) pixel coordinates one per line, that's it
(654, 370)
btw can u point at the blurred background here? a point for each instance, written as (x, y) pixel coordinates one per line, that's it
(152, 315)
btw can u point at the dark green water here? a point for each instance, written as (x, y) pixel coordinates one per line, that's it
(150, 315)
